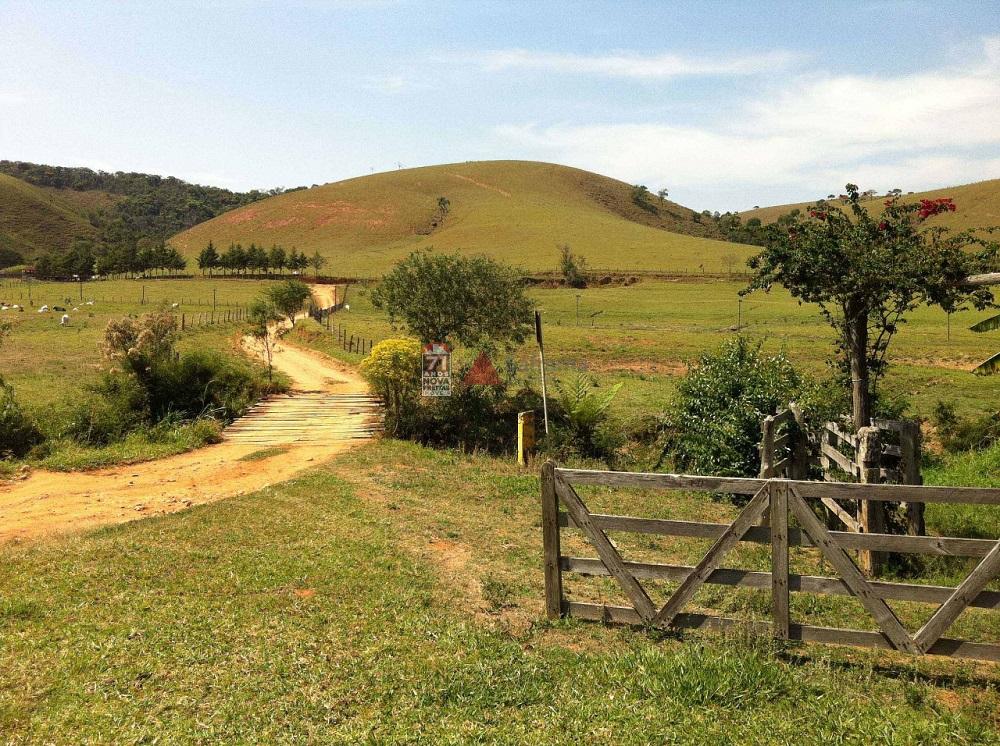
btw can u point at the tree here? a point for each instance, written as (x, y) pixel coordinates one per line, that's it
(663, 194)
(276, 258)
(450, 298)
(317, 262)
(288, 297)
(866, 272)
(392, 369)
(263, 315)
(573, 267)
(208, 259)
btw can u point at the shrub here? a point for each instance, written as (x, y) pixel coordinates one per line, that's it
(392, 369)
(714, 423)
(18, 433)
(583, 410)
(114, 407)
(964, 434)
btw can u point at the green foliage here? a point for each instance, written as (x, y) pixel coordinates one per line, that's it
(10, 258)
(288, 297)
(18, 433)
(866, 272)
(392, 369)
(113, 407)
(582, 409)
(572, 267)
(475, 301)
(714, 423)
(964, 433)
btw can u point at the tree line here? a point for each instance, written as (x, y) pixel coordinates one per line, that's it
(256, 259)
(88, 257)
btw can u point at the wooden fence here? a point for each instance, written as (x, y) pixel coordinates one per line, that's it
(562, 507)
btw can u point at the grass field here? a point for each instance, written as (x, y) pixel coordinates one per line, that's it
(518, 211)
(35, 220)
(978, 206)
(646, 333)
(395, 596)
(47, 363)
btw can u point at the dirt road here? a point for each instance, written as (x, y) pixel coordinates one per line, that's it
(322, 403)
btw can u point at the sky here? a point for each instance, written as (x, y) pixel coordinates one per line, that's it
(726, 104)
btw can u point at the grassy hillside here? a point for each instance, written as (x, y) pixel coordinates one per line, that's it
(33, 220)
(517, 210)
(978, 206)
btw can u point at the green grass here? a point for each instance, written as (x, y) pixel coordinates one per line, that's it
(517, 211)
(345, 606)
(68, 455)
(34, 220)
(264, 453)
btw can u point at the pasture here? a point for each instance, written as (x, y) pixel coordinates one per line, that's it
(47, 363)
(395, 594)
(645, 334)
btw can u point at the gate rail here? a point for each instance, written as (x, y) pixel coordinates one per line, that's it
(562, 508)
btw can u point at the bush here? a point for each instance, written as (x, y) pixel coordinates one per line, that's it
(474, 417)
(204, 383)
(958, 434)
(114, 407)
(18, 433)
(714, 424)
(582, 412)
(392, 369)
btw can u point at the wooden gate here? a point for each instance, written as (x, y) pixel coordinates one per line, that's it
(562, 507)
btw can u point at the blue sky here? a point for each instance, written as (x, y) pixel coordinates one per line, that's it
(727, 104)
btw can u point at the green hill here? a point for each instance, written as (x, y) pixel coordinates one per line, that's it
(978, 206)
(34, 221)
(518, 211)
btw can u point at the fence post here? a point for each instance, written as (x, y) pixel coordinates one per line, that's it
(778, 499)
(800, 449)
(767, 447)
(909, 446)
(550, 542)
(871, 513)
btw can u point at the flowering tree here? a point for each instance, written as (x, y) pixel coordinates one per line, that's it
(867, 271)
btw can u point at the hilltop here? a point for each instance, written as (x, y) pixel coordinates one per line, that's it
(518, 211)
(978, 206)
(34, 220)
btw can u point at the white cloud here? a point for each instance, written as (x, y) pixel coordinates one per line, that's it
(633, 65)
(812, 134)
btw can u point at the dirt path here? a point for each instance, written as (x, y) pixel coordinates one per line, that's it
(323, 402)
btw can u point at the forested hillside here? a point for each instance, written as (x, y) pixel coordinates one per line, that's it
(110, 213)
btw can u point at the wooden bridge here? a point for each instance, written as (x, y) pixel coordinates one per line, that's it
(308, 418)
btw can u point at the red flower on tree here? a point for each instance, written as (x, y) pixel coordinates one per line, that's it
(929, 207)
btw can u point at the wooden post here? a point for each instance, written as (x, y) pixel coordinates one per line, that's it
(525, 435)
(800, 448)
(767, 447)
(779, 558)
(909, 468)
(871, 513)
(550, 542)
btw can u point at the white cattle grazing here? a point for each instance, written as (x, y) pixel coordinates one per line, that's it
(43, 309)
(89, 303)
(75, 309)
(347, 307)
(174, 305)
(64, 320)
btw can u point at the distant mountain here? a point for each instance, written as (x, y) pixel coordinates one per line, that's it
(518, 211)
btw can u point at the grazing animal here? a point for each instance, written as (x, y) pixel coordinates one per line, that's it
(43, 309)
(89, 303)
(64, 320)
(59, 308)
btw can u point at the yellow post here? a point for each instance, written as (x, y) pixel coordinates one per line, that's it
(525, 436)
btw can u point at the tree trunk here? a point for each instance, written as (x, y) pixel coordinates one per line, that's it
(856, 328)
